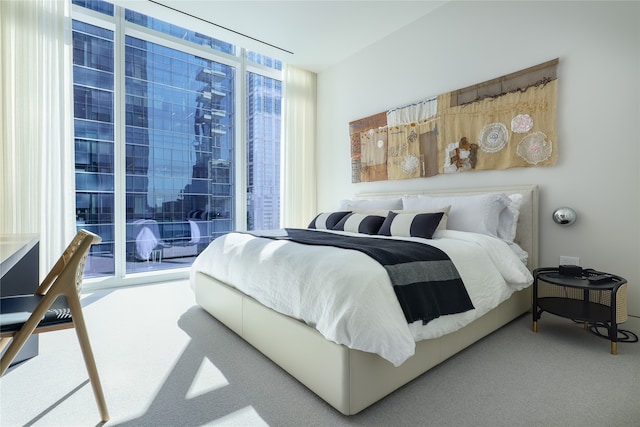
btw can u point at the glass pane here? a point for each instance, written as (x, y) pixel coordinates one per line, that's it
(264, 100)
(94, 139)
(265, 60)
(97, 5)
(179, 154)
(179, 32)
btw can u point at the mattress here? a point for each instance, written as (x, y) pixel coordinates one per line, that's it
(348, 297)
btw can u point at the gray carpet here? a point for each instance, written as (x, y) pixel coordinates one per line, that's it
(165, 362)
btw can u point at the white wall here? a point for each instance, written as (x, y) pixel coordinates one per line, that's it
(463, 43)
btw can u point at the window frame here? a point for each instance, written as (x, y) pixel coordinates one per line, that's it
(242, 66)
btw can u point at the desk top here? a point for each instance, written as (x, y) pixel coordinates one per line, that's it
(13, 247)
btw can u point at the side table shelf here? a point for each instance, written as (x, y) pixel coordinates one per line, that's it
(578, 299)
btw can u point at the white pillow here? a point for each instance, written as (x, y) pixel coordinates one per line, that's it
(361, 204)
(508, 220)
(473, 213)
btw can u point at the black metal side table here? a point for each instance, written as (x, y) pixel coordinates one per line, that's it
(579, 299)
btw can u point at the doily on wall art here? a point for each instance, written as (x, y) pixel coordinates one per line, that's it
(410, 164)
(522, 123)
(493, 137)
(379, 143)
(534, 148)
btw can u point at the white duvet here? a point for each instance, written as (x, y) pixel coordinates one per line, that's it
(348, 296)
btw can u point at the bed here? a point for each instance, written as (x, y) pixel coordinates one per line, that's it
(351, 376)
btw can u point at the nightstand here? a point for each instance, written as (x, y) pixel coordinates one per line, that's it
(579, 299)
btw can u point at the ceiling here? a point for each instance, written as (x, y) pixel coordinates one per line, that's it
(310, 34)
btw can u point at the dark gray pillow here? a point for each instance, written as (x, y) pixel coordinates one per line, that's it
(360, 223)
(411, 224)
(327, 220)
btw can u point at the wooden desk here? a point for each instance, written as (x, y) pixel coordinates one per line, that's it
(19, 275)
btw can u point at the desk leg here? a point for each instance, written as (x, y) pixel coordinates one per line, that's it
(613, 330)
(534, 309)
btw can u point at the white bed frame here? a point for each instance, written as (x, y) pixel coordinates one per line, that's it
(351, 380)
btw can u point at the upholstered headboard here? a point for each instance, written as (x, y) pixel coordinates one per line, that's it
(527, 230)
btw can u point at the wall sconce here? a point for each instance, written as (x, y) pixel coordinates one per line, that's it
(564, 216)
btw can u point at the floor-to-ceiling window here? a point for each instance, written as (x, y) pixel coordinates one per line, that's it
(263, 115)
(160, 121)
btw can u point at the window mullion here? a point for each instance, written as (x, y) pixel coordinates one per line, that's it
(120, 147)
(241, 144)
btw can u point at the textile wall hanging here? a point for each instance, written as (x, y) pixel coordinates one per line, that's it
(502, 123)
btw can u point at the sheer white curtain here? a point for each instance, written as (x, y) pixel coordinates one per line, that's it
(298, 154)
(36, 123)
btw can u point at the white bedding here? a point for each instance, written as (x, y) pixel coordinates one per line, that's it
(348, 297)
